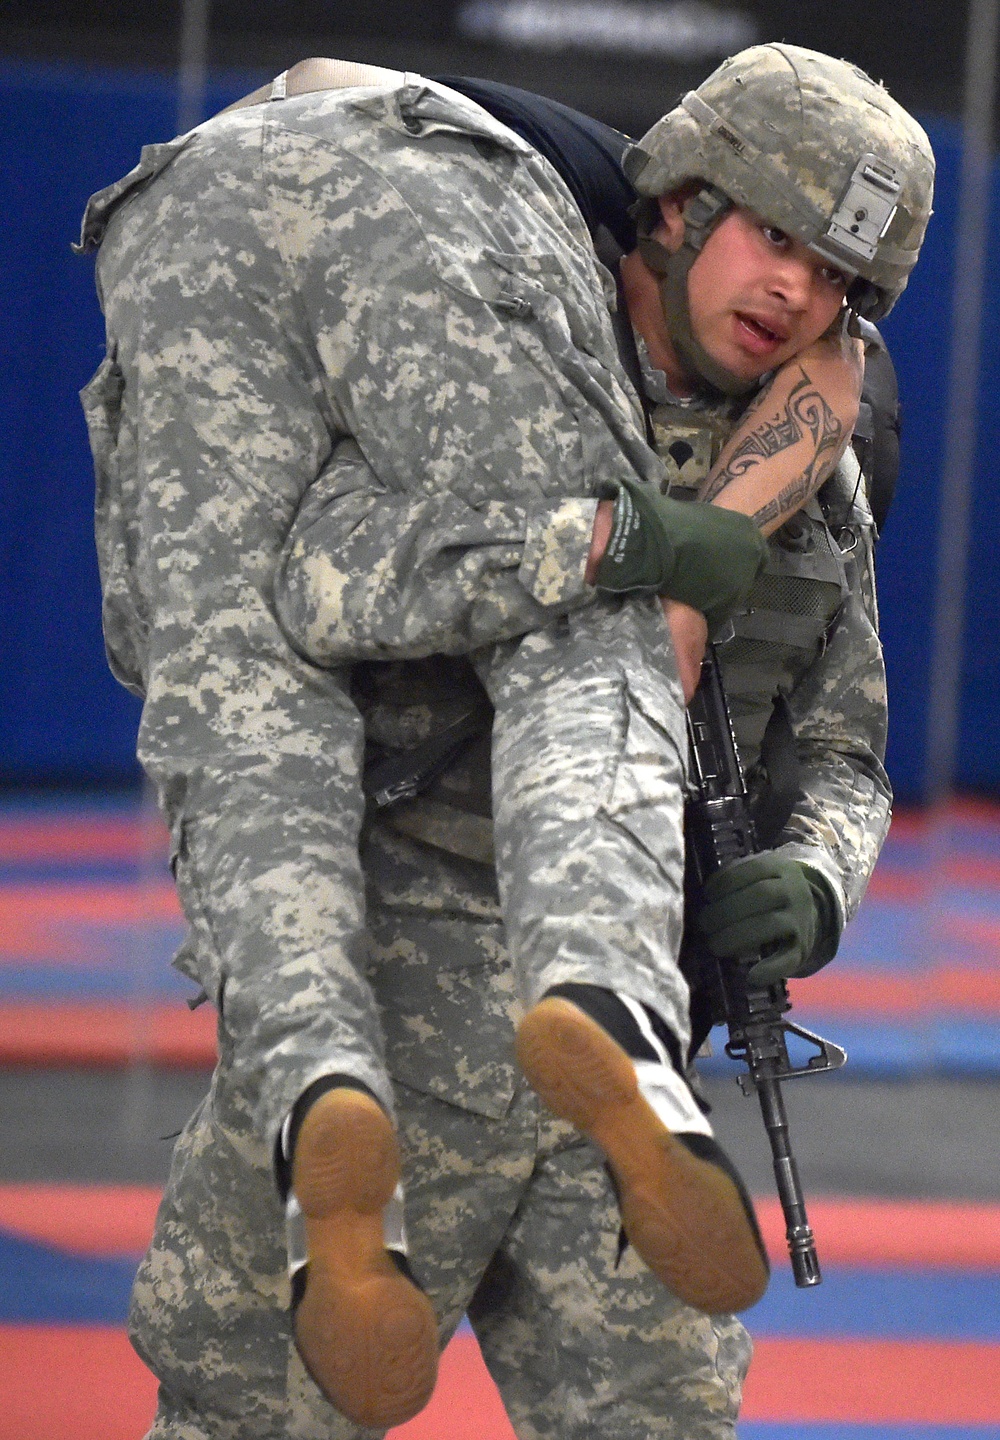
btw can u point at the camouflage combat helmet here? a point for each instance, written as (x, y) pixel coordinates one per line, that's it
(810, 144)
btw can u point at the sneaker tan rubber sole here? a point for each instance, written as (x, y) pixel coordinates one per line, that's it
(684, 1216)
(366, 1333)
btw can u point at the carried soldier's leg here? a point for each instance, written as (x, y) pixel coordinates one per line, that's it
(363, 1327)
(211, 1311)
(589, 756)
(206, 435)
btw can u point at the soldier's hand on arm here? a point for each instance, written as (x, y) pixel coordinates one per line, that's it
(705, 556)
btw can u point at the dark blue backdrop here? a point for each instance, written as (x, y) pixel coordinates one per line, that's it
(65, 132)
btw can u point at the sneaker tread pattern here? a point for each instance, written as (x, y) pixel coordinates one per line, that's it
(365, 1332)
(683, 1215)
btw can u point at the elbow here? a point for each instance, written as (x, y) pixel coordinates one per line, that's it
(311, 602)
(303, 615)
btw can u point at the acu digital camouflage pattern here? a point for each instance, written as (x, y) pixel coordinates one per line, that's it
(204, 436)
(780, 129)
(537, 422)
(589, 748)
(825, 657)
(810, 633)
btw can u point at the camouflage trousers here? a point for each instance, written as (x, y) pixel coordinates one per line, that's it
(510, 1217)
(589, 753)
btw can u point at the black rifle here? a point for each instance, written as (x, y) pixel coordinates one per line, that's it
(719, 830)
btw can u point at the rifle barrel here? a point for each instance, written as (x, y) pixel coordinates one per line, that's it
(801, 1245)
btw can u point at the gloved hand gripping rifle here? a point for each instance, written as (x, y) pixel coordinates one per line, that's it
(719, 830)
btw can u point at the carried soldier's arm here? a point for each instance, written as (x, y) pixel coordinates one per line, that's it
(369, 573)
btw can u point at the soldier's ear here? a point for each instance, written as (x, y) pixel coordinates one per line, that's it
(670, 230)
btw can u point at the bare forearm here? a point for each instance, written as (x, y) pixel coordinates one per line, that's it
(792, 436)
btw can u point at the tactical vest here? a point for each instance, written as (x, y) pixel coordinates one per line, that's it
(805, 581)
(798, 595)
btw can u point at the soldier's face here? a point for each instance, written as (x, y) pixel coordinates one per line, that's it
(757, 297)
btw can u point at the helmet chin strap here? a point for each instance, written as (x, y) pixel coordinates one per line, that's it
(701, 215)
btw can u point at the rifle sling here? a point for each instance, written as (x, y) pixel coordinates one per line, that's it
(772, 807)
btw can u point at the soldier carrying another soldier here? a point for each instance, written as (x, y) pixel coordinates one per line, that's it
(366, 446)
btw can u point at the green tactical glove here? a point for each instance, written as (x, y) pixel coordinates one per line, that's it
(701, 554)
(770, 903)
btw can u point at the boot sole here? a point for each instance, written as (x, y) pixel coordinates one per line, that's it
(684, 1216)
(366, 1333)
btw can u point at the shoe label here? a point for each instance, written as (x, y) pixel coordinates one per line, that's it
(669, 1096)
(295, 1235)
(393, 1223)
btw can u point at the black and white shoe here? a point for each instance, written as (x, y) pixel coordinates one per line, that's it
(610, 1066)
(365, 1330)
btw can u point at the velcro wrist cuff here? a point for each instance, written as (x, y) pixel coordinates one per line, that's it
(632, 561)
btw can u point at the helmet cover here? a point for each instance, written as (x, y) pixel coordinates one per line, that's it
(813, 146)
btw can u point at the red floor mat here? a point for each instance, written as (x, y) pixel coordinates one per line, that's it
(85, 1383)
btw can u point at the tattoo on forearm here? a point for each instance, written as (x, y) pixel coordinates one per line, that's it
(805, 413)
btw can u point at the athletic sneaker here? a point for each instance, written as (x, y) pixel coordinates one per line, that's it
(365, 1330)
(611, 1067)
